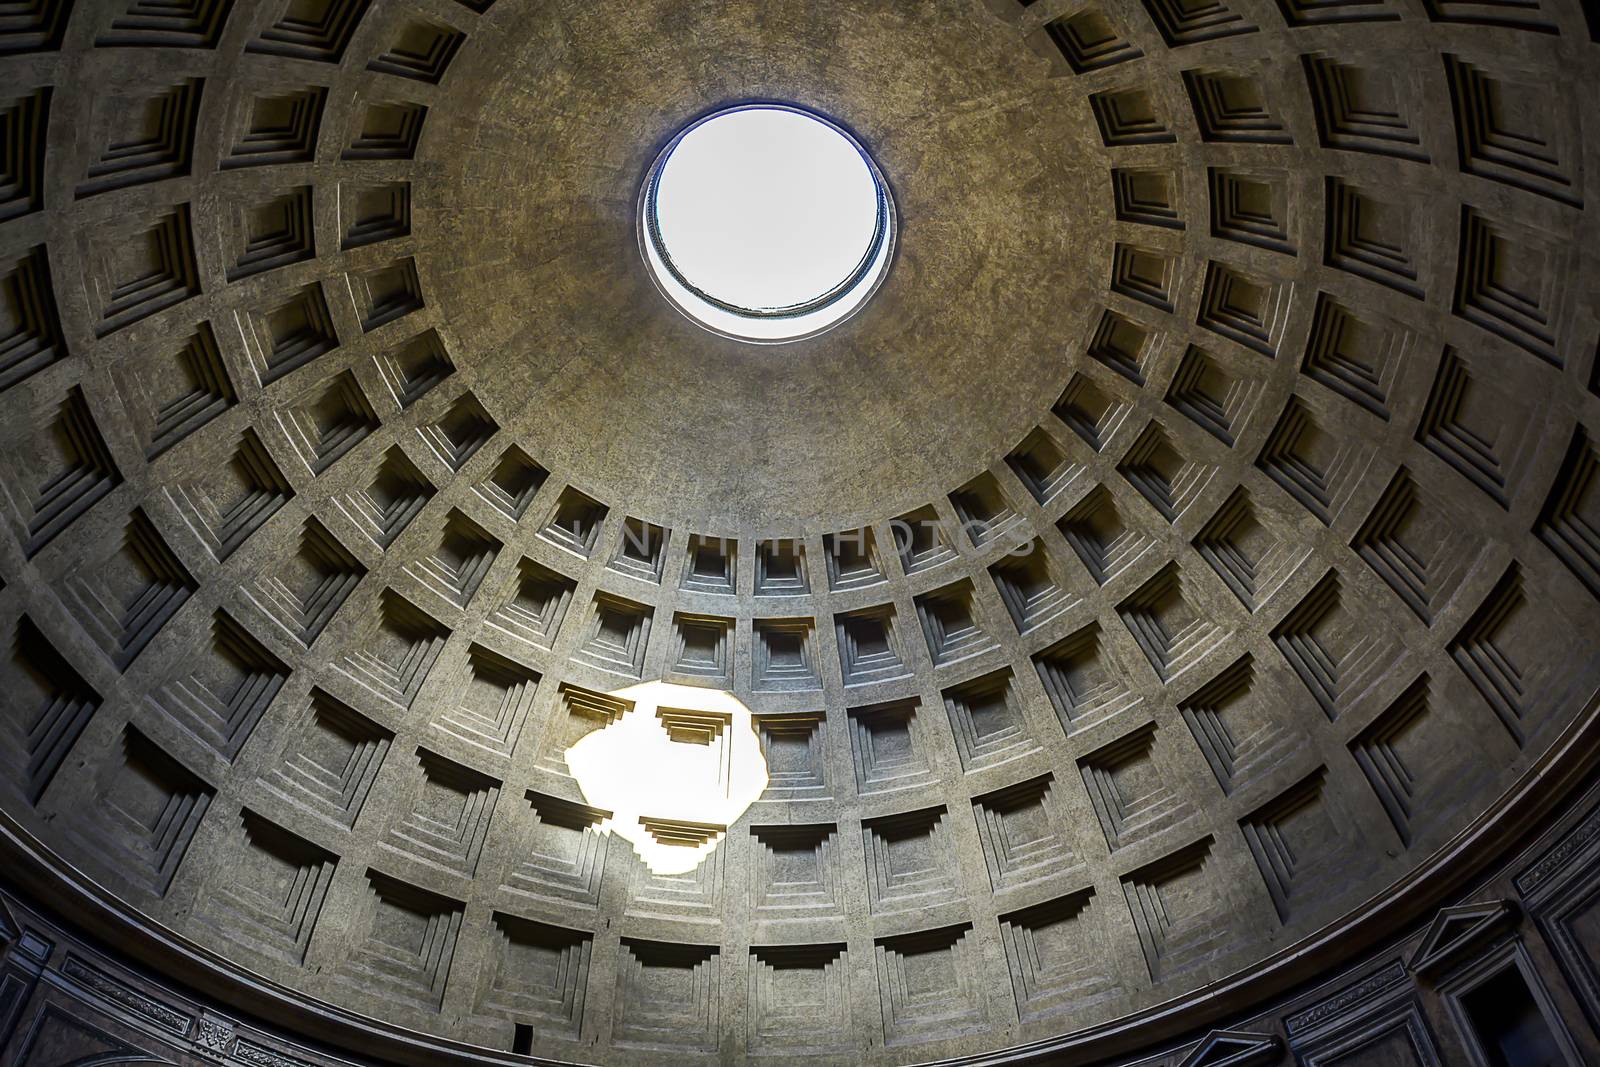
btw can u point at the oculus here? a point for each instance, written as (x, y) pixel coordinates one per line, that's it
(766, 223)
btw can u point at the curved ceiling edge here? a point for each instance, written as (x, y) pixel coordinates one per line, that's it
(1515, 818)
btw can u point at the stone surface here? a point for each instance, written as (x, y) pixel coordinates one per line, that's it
(1242, 359)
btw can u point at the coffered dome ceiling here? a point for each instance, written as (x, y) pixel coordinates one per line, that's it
(352, 461)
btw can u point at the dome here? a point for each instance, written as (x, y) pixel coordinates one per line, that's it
(1173, 582)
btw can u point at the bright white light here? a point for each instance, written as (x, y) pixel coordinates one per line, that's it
(766, 209)
(766, 223)
(672, 799)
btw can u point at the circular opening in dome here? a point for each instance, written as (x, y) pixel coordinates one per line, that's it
(766, 223)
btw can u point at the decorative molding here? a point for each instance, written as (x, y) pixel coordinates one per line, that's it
(261, 1056)
(1371, 986)
(127, 997)
(215, 1035)
(1533, 879)
(1457, 931)
(1234, 1048)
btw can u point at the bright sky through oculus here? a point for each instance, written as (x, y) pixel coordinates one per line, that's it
(766, 223)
